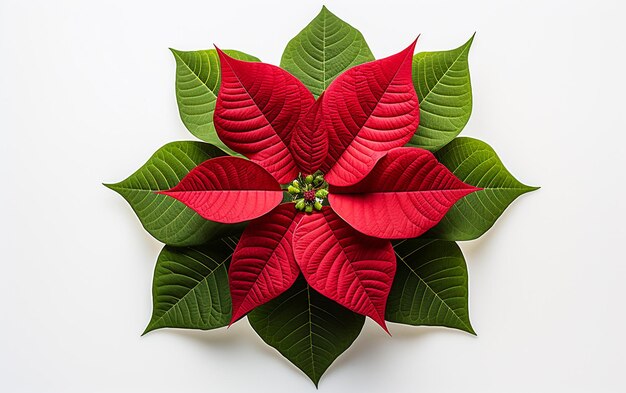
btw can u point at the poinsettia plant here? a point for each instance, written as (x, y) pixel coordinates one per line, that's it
(329, 189)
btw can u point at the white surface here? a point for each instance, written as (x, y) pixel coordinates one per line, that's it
(86, 96)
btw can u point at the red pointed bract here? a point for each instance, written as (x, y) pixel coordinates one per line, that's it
(344, 265)
(257, 107)
(263, 265)
(309, 143)
(228, 190)
(407, 193)
(368, 110)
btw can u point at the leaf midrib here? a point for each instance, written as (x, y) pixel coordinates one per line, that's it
(433, 291)
(264, 267)
(369, 116)
(257, 107)
(401, 192)
(196, 75)
(444, 74)
(200, 282)
(352, 267)
(308, 295)
(324, 86)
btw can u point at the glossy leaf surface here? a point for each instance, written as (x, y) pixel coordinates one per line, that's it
(190, 287)
(442, 82)
(308, 329)
(431, 285)
(167, 219)
(476, 163)
(325, 48)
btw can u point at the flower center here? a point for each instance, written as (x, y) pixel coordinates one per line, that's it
(309, 192)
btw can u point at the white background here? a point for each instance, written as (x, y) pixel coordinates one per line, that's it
(87, 95)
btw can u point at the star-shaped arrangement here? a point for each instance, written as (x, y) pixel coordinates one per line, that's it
(330, 189)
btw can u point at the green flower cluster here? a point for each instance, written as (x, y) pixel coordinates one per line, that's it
(309, 192)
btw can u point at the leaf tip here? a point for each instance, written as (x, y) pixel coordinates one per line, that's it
(313, 376)
(411, 48)
(235, 317)
(223, 56)
(471, 188)
(470, 41)
(325, 11)
(383, 324)
(148, 329)
(527, 189)
(111, 186)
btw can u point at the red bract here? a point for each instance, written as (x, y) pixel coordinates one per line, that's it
(310, 140)
(257, 107)
(228, 190)
(263, 264)
(353, 133)
(344, 265)
(407, 193)
(367, 111)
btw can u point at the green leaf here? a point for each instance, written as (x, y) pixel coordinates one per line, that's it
(431, 285)
(165, 218)
(325, 48)
(308, 329)
(442, 82)
(190, 287)
(476, 163)
(197, 84)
